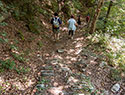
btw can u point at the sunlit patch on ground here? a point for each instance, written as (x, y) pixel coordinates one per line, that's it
(79, 39)
(78, 45)
(78, 51)
(57, 56)
(56, 90)
(70, 51)
(72, 80)
(1, 80)
(29, 83)
(116, 44)
(45, 24)
(19, 85)
(64, 29)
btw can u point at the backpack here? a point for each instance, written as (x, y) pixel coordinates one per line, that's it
(56, 22)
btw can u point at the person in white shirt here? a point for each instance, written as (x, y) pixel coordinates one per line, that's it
(72, 26)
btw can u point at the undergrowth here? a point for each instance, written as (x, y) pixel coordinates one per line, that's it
(9, 64)
(112, 48)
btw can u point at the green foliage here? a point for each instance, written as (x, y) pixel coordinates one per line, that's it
(110, 57)
(100, 23)
(2, 7)
(16, 13)
(89, 3)
(4, 34)
(122, 66)
(26, 10)
(42, 11)
(40, 44)
(21, 35)
(115, 74)
(18, 57)
(115, 26)
(110, 47)
(7, 64)
(3, 24)
(3, 40)
(77, 4)
(120, 59)
(12, 46)
(16, 41)
(55, 7)
(21, 69)
(27, 52)
(1, 69)
(66, 10)
(33, 27)
(11, 65)
(102, 41)
(115, 23)
(116, 59)
(43, 81)
(98, 40)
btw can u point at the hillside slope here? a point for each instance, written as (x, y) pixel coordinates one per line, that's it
(32, 63)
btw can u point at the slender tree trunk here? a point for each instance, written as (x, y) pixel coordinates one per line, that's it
(107, 15)
(93, 24)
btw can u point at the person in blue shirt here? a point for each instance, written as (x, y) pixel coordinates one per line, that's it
(72, 26)
(56, 22)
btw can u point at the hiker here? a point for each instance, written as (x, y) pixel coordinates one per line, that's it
(87, 18)
(72, 26)
(79, 21)
(56, 22)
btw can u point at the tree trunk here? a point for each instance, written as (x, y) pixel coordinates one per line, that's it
(93, 24)
(107, 15)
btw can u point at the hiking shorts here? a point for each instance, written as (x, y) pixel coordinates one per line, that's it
(55, 31)
(71, 32)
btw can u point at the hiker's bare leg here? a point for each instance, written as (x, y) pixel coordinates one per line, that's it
(54, 36)
(58, 36)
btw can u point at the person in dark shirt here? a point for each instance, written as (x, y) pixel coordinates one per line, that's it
(79, 21)
(87, 18)
(56, 22)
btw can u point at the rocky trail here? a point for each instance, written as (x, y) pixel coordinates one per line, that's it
(63, 67)
(33, 63)
(71, 68)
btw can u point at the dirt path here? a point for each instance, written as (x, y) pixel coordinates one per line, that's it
(60, 74)
(65, 67)
(71, 69)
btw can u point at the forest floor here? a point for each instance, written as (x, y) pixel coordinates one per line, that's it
(65, 67)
